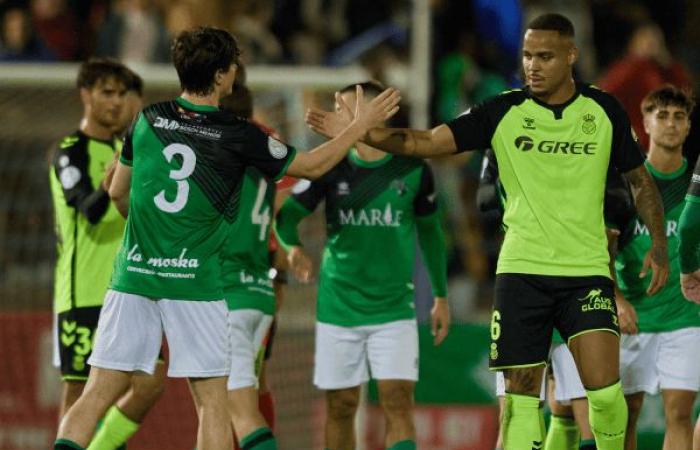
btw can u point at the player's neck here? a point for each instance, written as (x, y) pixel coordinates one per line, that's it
(665, 160)
(560, 96)
(91, 128)
(367, 153)
(202, 100)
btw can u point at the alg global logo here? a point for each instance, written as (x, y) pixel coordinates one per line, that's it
(526, 143)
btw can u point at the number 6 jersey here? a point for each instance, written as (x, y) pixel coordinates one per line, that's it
(188, 163)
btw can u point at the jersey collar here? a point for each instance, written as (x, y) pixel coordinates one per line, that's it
(667, 176)
(191, 106)
(355, 158)
(557, 110)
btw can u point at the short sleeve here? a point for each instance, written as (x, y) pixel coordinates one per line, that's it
(694, 188)
(619, 207)
(127, 153)
(70, 163)
(474, 129)
(309, 193)
(625, 154)
(269, 155)
(425, 202)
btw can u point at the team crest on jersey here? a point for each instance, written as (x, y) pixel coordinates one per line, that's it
(277, 149)
(529, 123)
(588, 125)
(343, 188)
(400, 186)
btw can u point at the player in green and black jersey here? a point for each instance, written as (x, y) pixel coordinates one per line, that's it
(554, 141)
(179, 181)
(89, 231)
(657, 356)
(375, 204)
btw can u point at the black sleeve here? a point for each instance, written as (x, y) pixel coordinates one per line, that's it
(487, 197)
(625, 154)
(425, 202)
(619, 209)
(474, 129)
(266, 153)
(694, 188)
(127, 154)
(71, 167)
(309, 193)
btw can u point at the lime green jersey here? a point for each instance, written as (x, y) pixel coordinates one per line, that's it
(188, 164)
(245, 257)
(667, 310)
(553, 162)
(88, 227)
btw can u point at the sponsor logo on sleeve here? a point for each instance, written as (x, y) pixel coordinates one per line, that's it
(277, 149)
(69, 176)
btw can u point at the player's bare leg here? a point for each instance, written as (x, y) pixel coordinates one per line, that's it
(678, 408)
(244, 410)
(579, 406)
(145, 390)
(341, 406)
(696, 436)
(597, 356)
(501, 406)
(70, 394)
(214, 431)
(634, 407)
(103, 388)
(396, 399)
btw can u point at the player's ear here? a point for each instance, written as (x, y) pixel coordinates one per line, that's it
(85, 96)
(645, 121)
(573, 55)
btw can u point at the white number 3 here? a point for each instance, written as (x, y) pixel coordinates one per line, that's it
(189, 160)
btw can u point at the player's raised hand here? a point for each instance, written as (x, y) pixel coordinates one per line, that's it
(326, 123)
(690, 285)
(440, 320)
(300, 264)
(381, 108)
(656, 260)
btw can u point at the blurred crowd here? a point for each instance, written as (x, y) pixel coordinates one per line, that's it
(628, 47)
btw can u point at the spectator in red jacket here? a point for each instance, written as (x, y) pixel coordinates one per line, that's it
(646, 66)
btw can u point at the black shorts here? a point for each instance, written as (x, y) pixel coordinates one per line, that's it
(76, 330)
(527, 307)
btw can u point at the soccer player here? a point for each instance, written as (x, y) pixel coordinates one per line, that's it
(89, 231)
(554, 141)
(375, 205)
(658, 356)
(178, 180)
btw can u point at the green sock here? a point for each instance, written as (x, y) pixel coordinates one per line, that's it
(116, 429)
(260, 439)
(607, 413)
(521, 422)
(65, 444)
(562, 434)
(587, 444)
(408, 444)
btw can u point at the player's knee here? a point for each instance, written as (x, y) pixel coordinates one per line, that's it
(342, 404)
(525, 381)
(678, 413)
(397, 400)
(634, 406)
(148, 390)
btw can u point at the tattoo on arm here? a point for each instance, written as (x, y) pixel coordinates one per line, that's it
(400, 141)
(649, 205)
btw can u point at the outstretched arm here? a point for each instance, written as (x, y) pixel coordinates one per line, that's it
(404, 141)
(650, 208)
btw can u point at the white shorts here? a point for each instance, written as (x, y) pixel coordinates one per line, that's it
(131, 327)
(501, 386)
(345, 356)
(249, 329)
(567, 382)
(653, 361)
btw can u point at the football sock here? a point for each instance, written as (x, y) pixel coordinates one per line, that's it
(562, 434)
(116, 429)
(65, 444)
(407, 444)
(588, 444)
(607, 413)
(260, 439)
(521, 422)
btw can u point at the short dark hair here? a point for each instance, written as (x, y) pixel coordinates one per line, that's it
(199, 53)
(668, 95)
(95, 70)
(370, 87)
(135, 83)
(553, 22)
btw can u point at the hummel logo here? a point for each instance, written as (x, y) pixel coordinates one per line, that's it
(536, 445)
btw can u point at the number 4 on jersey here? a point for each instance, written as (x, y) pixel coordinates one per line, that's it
(259, 217)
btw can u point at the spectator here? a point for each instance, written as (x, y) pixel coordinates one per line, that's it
(647, 65)
(18, 41)
(58, 27)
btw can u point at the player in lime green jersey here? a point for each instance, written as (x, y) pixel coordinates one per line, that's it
(554, 141)
(179, 180)
(376, 204)
(658, 356)
(89, 233)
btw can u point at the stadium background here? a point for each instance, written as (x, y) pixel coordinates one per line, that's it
(445, 55)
